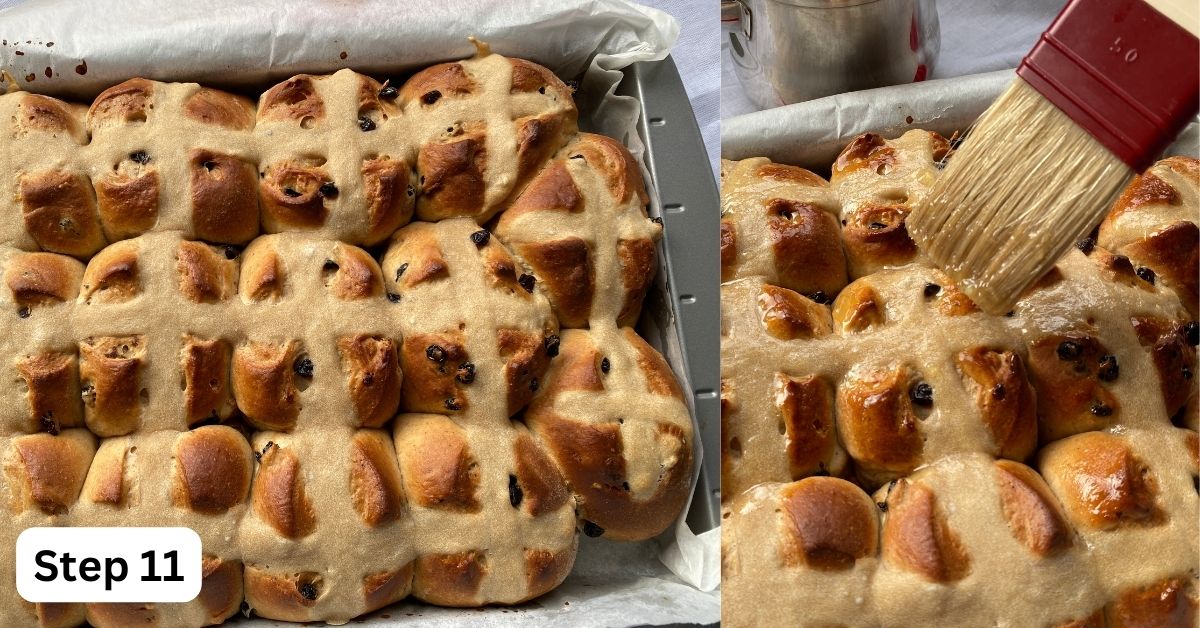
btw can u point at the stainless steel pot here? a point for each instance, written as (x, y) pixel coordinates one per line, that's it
(788, 51)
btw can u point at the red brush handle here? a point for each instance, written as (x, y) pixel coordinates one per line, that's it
(1121, 70)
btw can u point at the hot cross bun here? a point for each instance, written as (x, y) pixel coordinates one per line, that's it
(1027, 469)
(223, 316)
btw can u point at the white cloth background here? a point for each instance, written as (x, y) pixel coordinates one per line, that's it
(699, 61)
(977, 36)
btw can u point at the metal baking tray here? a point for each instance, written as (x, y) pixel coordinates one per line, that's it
(688, 203)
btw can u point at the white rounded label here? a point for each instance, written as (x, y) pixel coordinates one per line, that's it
(109, 565)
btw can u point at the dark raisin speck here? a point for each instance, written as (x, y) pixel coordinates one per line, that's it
(431, 97)
(542, 89)
(1109, 369)
(882, 506)
(435, 353)
(527, 281)
(393, 297)
(1146, 274)
(877, 226)
(921, 394)
(931, 289)
(141, 157)
(451, 404)
(210, 165)
(308, 590)
(552, 342)
(368, 379)
(328, 190)
(604, 365)
(481, 237)
(533, 384)
(998, 392)
(515, 494)
(49, 425)
(656, 220)
(466, 373)
(1086, 245)
(23, 312)
(303, 367)
(409, 191)
(1100, 409)
(366, 124)
(1192, 330)
(400, 271)
(329, 266)
(1069, 350)
(290, 192)
(231, 252)
(389, 93)
(592, 529)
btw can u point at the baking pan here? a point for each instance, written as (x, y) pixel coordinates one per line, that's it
(689, 205)
(612, 584)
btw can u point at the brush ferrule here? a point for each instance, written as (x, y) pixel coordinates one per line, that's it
(1121, 70)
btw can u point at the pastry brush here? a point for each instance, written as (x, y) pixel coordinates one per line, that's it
(1103, 92)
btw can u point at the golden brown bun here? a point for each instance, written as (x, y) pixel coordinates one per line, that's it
(603, 439)
(1071, 373)
(206, 274)
(54, 399)
(279, 496)
(428, 265)
(1169, 603)
(1102, 483)
(223, 197)
(110, 375)
(375, 485)
(455, 161)
(879, 423)
(264, 383)
(127, 199)
(436, 463)
(212, 469)
(372, 368)
(581, 227)
(830, 524)
(1154, 223)
(781, 222)
(112, 276)
(47, 472)
(59, 209)
(878, 182)
(43, 278)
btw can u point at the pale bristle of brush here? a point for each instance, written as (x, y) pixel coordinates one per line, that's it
(1026, 184)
